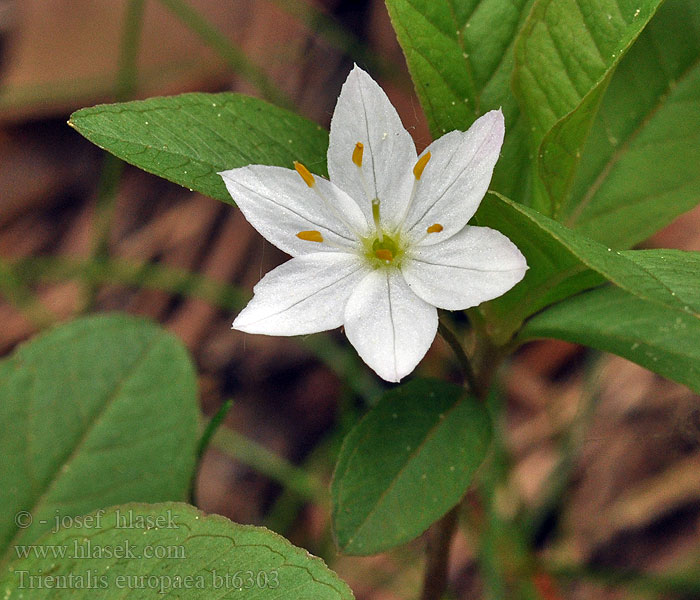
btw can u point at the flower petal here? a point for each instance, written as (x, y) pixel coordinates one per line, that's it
(390, 327)
(473, 266)
(364, 114)
(456, 178)
(304, 295)
(278, 203)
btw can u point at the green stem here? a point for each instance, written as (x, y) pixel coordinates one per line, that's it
(570, 445)
(464, 363)
(127, 74)
(259, 458)
(181, 282)
(112, 167)
(204, 441)
(337, 36)
(487, 358)
(110, 176)
(212, 427)
(14, 287)
(441, 533)
(656, 583)
(16, 292)
(231, 54)
(438, 555)
(117, 271)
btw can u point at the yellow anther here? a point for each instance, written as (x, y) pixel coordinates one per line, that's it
(384, 254)
(357, 154)
(305, 174)
(437, 228)
(310, 236)
(420, 165)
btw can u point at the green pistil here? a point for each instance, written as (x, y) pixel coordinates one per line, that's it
(376, 217)
(383, 250)
(385, 244)
(380, 249)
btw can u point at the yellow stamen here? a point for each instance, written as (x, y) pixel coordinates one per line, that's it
(305, 174)
(437, 228)
(420, 165)
(310, 236)
(384, 254)
(357, 154)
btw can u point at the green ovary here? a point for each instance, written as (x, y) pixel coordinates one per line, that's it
(387, 252)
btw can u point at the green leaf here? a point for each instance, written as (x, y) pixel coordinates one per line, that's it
(406, 464)
(640, 165)
(460, 55)
(660, 337)
(676, 269)
(564, 58)
(153, 551)
(99, 411)
(561, 263)
(189, 138)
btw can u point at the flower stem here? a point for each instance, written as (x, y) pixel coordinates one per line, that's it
(438, 554)
(232, 55)
(465, 364)
(113, 167)
(487, 358)
(441, 533)
(16, 277)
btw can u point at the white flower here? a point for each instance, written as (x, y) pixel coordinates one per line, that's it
(385, 242)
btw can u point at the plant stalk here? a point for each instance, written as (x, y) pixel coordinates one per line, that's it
(465, 364)
(232, 55)
(438, 556)
(487, 358)
(113, 167)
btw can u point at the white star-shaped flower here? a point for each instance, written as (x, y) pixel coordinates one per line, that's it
(383, 244)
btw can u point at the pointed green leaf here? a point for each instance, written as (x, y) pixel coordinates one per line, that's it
(406, 464)
(99, 411)
(564, 57)
(656, 335)
(562, 262)
(677, 270)
(640, 166)
(167, 550)
(189, 138)
(460, 55)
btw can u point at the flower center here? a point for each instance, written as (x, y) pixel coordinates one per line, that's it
(385, 249)
(382, 248)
